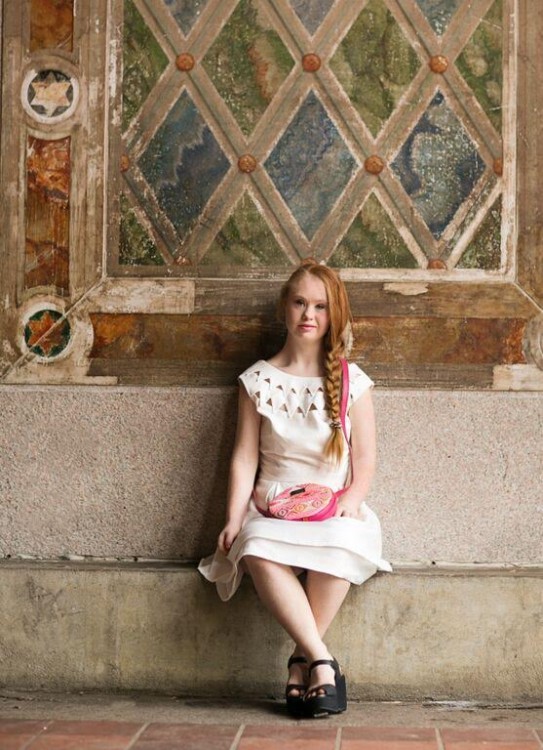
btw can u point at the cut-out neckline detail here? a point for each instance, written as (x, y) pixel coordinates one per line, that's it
(291, 374)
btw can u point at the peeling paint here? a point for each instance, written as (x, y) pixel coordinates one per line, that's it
(406, 289)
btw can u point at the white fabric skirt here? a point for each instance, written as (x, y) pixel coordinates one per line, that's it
(348, 548)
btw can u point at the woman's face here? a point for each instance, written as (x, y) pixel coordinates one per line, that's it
(306, 314)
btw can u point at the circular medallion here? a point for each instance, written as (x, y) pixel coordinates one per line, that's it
(49, 95)
(247, 163)
(436, 264)
(44, 335)
(438, 64)
(374, 164)
(185, 62)
(498, 167)
(311, 62)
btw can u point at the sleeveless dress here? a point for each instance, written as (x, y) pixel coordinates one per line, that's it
(293, 433)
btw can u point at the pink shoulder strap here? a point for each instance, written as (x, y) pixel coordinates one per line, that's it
(344, 395)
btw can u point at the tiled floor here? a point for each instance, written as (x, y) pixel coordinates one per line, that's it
(317, 735)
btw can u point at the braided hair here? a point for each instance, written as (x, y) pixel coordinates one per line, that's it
(336, 342)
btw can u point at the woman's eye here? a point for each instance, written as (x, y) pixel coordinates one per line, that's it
(298, 302)
(320, 307)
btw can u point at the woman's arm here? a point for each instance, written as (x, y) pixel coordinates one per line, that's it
(363, 445)
(242, 469)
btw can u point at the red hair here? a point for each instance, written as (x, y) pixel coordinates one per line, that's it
(336, 341)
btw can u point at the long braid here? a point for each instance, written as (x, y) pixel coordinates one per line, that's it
(337, 343)
(332, 386)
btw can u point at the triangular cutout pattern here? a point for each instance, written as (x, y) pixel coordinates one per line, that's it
(299, 399)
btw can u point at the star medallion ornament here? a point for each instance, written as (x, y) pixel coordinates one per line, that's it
(50, 93)
(44, 335)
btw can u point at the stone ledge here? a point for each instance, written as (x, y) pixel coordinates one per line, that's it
(417, 634)
(418, 567)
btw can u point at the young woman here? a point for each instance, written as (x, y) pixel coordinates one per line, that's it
(289, 432)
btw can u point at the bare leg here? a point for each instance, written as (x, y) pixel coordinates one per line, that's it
(325, 594)
(283, 595)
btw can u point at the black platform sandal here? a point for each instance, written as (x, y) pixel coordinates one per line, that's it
(295, 703)
(334, 700)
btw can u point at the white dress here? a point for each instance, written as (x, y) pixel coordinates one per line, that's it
(294, 431)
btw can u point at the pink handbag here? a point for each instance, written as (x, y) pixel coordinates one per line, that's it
(311, 502)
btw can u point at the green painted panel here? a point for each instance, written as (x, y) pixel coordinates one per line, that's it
(375, 63)
(481, 63)
(247, 64)
(143, 62)
(136, 248)
(373, 242)
(485, 248)
(245, 240)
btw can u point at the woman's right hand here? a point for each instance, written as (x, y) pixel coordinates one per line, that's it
(227, 536)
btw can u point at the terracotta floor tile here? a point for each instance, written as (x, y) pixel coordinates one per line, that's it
(389, 733)
(86, 735)
(79, 742)
(388, 738)
(539, 733)
(261, 737)
(95, 728)
(16, 734)
(492, 745)
(14, 741)
(18, 726)
(487, 734)
(186, 737)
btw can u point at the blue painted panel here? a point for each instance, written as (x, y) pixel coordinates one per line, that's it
(439, 12)
(183, 164)
(311, 165)
(311, 12)
(185, 12)
(438, 165)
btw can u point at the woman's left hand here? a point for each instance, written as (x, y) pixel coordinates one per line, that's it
(348, 506)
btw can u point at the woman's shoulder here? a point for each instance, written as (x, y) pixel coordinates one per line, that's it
(252, 376)
(359, 382)
(254, 369)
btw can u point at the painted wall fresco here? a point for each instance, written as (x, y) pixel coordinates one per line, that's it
(185, 12)
(314, 159)
(143, 62)
(51, 24)
(245, 240)
(438, 165)
(311, 12)
(481, 63)
(183, 164)
(247, 63)
(373, 241)
(245, 135)
(439, 12)
(48, 214)
(310, 165)
(375, 64)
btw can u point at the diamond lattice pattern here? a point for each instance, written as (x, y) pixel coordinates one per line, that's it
(309, 131)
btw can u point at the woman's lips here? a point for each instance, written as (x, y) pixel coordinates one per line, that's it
(306, 327)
